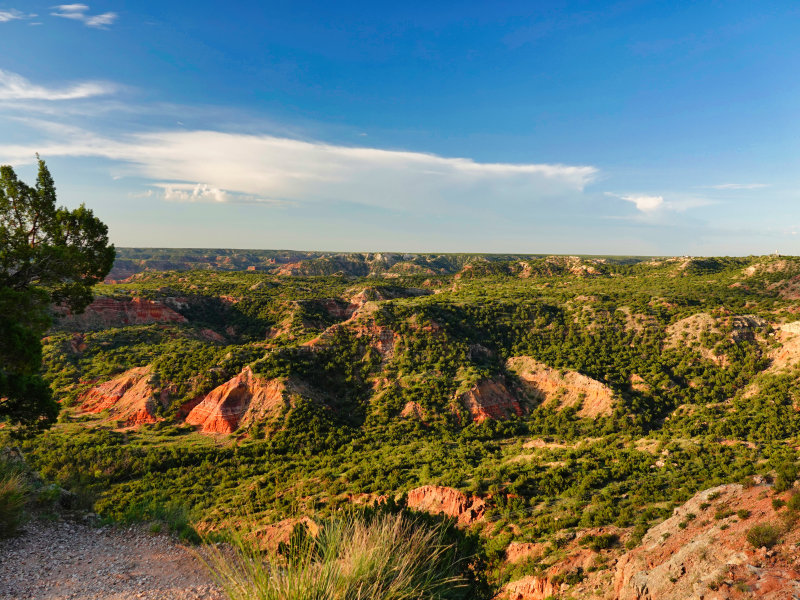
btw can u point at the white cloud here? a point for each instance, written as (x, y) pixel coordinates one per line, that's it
(654, 206)
(236, 167)
(646, 204)
(12, 14)
(738, 186)
(16, 87)
(79, 12)
(199, 192)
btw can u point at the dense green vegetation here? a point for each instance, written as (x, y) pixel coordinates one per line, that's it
(701, 391)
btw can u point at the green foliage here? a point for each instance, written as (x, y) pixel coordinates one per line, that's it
(48, 254)
(763, 535)
(787, 475)
(175, 516)
(600, 542)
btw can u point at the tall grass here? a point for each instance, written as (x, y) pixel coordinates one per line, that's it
(13, 495)
(388, 557)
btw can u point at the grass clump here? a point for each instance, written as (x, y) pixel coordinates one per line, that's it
(387, 557)
(172, 515)
(13, 492)
(763, 535)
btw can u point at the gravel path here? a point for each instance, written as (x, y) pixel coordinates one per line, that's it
(66, 559)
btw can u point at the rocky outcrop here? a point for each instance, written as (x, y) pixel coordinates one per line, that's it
(380, 338)
(522, 551)
(787, 354)
(435, 499)
(109, 312)
(243, 400)
(270, 537)
(129, 399)
(691, 330)
(530, 588)
(490, 399)
(702, 552)
(570, 388)
(412, 410)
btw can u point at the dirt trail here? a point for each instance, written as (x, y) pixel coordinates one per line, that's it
(57, 560)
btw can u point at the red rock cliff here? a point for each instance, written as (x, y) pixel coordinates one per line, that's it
(437, 499)
(129, 398)
(490, 399)
(108, 312)
(240, 401)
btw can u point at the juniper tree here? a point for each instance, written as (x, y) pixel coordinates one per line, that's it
(49, 255)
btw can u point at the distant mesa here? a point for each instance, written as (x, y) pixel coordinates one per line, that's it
(131, 262)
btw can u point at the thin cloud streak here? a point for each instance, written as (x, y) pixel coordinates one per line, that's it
(79, 12)
(222, 167)
(738, 186)
(17, 87)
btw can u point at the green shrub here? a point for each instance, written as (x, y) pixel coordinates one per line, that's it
(794, 502)
(174, 516)
(387, 558)
(787, 474)
(743, 514)
(723, 513)
(599, 542)
(763, 535)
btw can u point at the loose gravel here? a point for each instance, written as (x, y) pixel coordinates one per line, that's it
(57, 560)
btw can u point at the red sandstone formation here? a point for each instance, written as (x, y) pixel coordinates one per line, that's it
(108, 312)
(243, 400)
(436, 499)
(530, 588)
(412, 410)
(269, 537)
(544, 383)
(522, 551)
(129, 398)
(212, 336)
(490, 399)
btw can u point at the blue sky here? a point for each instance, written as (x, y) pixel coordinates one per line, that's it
(567, 127)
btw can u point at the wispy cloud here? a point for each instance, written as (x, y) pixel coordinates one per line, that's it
(16, 87)
(12, 14)
(738, 186)
(80, 12)
(232, 167)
